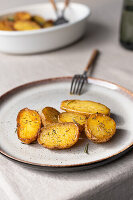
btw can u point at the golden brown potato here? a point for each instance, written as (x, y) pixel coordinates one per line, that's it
(100, 128)
(84, 107)
(25, 25)
(39, 20)
(6, 25)
(28, 125)
(10, 18)
(9, 23)
(76, 118)
(48, 23)
(49, 115)
(22, 16)
(59, 135)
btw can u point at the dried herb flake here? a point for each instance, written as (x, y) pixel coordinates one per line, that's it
(86, 149)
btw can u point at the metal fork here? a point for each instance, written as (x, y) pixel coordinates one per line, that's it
(79, 80)
(60, 19)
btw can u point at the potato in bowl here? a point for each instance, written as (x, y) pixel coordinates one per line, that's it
(24, 21)
(44, 39)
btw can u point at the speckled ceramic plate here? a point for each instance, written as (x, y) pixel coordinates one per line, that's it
(51, 92)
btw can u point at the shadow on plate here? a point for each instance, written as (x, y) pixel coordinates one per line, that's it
(76, 148)
(118, 119)
(120, 135)
(117, 139)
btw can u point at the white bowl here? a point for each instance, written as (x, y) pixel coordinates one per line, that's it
(42, 40)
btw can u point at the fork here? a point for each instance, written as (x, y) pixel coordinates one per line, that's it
(60, 19)
(79, 80)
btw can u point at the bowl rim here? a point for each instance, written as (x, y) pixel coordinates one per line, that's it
(51, 29)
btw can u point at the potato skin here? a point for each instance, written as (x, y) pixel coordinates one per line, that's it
(22, 123)
(84, 107)
(49, 115)
(6, 25)
(39, 20)
(25, 25)
(76, 118)
(59, 135)
(24, 21)
(100, 128)
(48, 23)
(22, 16)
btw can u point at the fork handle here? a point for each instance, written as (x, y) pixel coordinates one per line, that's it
(54, 6)
(91, 60)
(65, 6)
(66, 3)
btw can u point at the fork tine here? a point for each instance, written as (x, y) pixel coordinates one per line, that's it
(71, 90)
(78, 81)
(78, 84)
(77, 78)
(81, 86)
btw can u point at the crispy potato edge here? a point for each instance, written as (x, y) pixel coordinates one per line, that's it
(43, 118)
(58, 148)
(91, 137)
(73, 111)
(27, 141)
(81, 127)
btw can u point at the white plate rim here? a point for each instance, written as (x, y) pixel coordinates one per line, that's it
(66, 78)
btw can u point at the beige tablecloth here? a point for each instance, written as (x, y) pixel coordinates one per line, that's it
(110, 182)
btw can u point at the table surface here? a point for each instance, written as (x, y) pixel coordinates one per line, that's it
(112, 181)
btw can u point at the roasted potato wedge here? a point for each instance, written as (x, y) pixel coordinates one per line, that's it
(48, 23)
(22, 16)
(28, 125)
(25, 25)
(8, 23)
(100, 128)
(39, 20)
(59, 135)
(10, 18)
(84, 107)
(6, 26)
(49, 115)
(76, 118)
